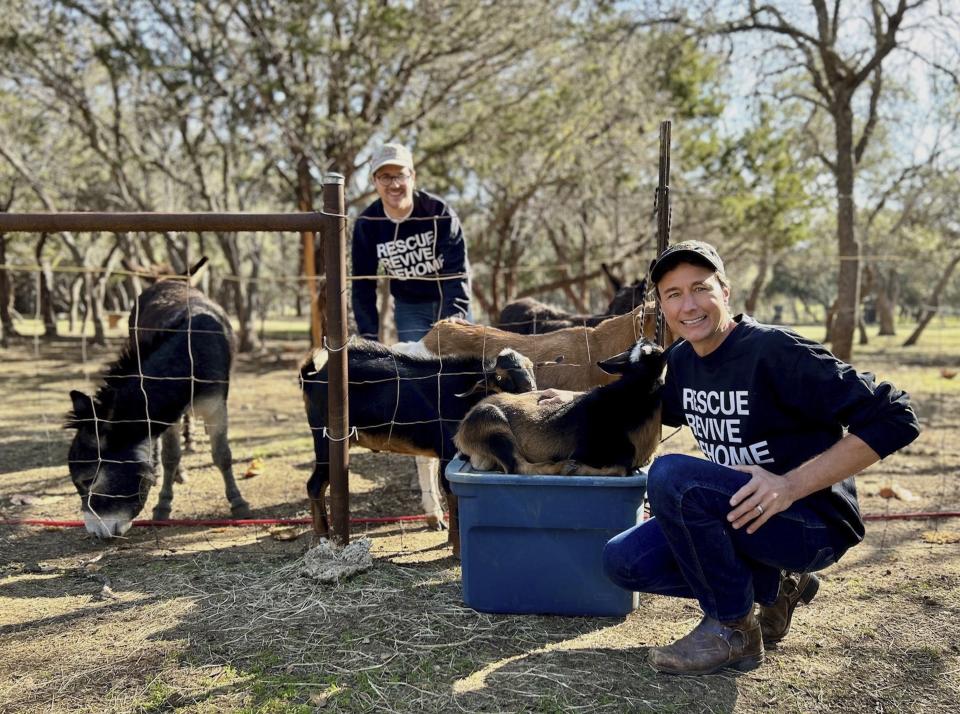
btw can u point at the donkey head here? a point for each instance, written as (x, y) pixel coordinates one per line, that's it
(113, 483)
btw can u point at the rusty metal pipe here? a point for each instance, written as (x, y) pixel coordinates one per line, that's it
(159, 222)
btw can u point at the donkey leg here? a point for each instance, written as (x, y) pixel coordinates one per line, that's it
(170, 458)
(188, 443)
(215, 423)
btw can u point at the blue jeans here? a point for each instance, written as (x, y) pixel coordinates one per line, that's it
(414, 319)
(689, 549)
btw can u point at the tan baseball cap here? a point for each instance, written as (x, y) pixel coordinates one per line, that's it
(391, 155)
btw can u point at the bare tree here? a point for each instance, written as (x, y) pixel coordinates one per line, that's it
(839, 59)
(932, 303)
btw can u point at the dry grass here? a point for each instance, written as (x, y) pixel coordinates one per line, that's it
(212, 620)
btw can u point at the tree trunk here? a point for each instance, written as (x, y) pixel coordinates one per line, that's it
(76, 289)
(95, 303)
(932, 304)
(829, 321)
(312, 259)
(6, 293)
(247, 332)
(757, 287)
(887, 292)
(848, 250)
(862, 328)
(45, 290)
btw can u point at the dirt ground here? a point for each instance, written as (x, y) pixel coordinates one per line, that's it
(221, 619)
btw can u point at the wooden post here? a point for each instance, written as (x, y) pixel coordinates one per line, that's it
(663, 335)
(338, 421)
(309, 248)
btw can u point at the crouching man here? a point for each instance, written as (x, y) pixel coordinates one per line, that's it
(784, 426)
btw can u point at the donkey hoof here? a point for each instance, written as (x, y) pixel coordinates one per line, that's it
(181, 476)
(241, 510)
(161, 514)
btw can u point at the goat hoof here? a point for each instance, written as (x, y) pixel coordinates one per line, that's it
(436, 524)
(570, 468)
(241, 510)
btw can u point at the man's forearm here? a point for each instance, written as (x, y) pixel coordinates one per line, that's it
(847, 457)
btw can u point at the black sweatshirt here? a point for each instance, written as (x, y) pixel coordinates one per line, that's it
(768, 396)
(428, 243)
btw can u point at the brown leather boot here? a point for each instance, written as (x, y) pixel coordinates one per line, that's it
(712, 646)
(775, 619)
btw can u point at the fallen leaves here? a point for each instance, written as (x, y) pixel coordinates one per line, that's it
(940, 537)
(285, 532)
(254, 469)
(898, 492)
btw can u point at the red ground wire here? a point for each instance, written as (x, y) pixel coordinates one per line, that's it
(214, 522)
(228, 522)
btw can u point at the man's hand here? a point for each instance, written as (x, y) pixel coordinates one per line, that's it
(764, 489)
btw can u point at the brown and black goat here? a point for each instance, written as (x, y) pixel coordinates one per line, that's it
(608, 431)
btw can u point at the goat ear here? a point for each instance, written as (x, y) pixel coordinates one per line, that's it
(618, 364)
(480, 386)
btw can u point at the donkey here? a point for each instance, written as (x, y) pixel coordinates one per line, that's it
(528, 316)
(177, 358)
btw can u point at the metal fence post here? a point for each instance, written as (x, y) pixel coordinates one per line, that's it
(664, 337)
(338, 422)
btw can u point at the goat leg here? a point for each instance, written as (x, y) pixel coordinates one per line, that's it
(318, 511)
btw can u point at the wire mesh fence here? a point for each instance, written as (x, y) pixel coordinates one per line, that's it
(923, 484)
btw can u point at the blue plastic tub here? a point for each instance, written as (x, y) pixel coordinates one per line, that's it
(533, 544)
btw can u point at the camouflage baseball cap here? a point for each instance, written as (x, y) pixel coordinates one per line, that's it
(688, 251)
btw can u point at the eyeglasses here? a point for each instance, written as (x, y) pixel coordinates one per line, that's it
(389, 179)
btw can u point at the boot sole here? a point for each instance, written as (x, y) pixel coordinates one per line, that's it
(746, 664)
(810, 590)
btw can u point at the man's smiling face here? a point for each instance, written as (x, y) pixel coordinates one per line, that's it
(695, 306)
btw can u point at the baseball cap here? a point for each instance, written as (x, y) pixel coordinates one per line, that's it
(688, 251)
(391, 155)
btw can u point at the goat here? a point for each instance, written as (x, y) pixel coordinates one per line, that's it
(564, 359)
(177, 358)
(527, 316)
(404, 404)
(608, 431)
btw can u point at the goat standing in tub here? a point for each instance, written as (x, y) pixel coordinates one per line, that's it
(176, 359)
(608, 431)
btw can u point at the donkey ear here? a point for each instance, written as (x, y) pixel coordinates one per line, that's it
(82, 410)
(615, 282)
